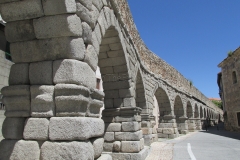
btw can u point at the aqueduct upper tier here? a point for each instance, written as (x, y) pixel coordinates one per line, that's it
(56, 46)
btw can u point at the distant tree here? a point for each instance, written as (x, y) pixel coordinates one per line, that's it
(230, 53)
(218, 103)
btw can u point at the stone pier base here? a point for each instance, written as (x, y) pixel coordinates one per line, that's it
(131, 156)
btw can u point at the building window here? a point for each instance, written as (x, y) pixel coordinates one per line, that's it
(238, 117)
(98, 83)
(234, 77)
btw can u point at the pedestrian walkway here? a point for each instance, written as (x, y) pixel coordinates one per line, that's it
(2, 117)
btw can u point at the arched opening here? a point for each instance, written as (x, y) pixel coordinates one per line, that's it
(140, 94)
(114, 71)
(163, 103)
(119, 101)
(234, 77)
(205, 113)
(191, 121)
(179, 112)
(196, 112)
(201, 113)
(189, 110)
(178, 109)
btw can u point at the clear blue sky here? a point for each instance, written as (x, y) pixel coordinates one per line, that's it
(193, 36)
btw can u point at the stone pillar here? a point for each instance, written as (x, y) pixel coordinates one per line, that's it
(183, 125)
(52, 107)
(198, 124)
(123, 135)
(191, 124)
(168, 127)
(149, 133)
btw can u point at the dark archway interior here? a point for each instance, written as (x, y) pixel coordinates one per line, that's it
(189, 110)
(196, 112)
(178, 109)
(163, 102)
(140, 94)
(201, 112)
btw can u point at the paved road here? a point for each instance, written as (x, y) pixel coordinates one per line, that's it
(211, 145)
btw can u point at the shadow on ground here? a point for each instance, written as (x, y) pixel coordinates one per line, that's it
(219, 130)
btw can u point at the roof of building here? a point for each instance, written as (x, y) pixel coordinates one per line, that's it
(215, 99)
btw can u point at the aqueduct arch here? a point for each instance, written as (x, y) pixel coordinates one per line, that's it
(57, 51)
(180, 115)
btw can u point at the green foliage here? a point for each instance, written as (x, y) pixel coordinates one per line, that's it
(191, 83)
(218, 103)
(230, 53)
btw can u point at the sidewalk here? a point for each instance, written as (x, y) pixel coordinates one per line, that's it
(2, 117)
(163, 149)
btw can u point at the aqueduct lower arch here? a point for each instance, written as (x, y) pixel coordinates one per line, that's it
(55, 100)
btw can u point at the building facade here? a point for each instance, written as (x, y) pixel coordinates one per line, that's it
(229, 84)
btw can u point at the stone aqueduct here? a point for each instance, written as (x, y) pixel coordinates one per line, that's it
(52, 104)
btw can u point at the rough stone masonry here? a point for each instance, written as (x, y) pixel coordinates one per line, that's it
(52, 104)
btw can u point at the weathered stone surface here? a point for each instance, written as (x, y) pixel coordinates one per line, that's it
(146, 131)
(48, 49)
(19, 74)
(133, 156)
(67, 150)
(118, 102)
(168, 131)
(109, 136)
(41, 73)
(36, 129)
(16, 100)
(108, 147)
(124, 93)
(105, 157)
(128, 136)
(97, 146)
(85, 14)
(21, 10)
(130, 126)
(19, 31)
(13, 128)
(54, 7)
(113, 127)
(94, 108)
(97, 94)
(91, 57)
(131, 146)
(87, 33)
(14, 149)
(116, 61)
(87, 4)
(75, 128)
(98, 4)
(6, 1)
(129, 102)
(71, 100)
(117, 146)
(116, 85)
(161, 135)
(42, 101)
(57, 26)
(108, 103)
(73, 72)
(167, 125)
